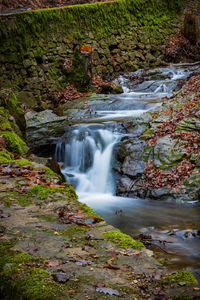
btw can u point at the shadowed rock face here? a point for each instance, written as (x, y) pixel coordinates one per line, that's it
(42, 128)
(190, 31)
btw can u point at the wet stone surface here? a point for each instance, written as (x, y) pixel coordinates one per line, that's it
(78, 258)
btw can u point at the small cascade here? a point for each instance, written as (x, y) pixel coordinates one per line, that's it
(85, 154)
(87, 159)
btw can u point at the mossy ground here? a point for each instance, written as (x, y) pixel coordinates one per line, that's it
(44, 191)
(31, 281)
(122, 239)
(183, 276)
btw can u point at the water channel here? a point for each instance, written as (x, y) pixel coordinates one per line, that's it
(86, 152)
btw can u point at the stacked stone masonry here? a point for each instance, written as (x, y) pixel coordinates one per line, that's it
(34, 45)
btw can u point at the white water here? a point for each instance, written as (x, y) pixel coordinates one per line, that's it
(87, 161)
(86, 152)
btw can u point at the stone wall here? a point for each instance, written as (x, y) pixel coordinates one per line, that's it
(124, 35)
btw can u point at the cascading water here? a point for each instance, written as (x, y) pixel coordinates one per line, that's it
(87, 159)
(86, 151)
(86, 155)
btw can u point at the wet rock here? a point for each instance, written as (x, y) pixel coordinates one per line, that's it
(134, 165)
(108, 291)
(61, 277)
(4, 215)
(42, 127)
(116, 88)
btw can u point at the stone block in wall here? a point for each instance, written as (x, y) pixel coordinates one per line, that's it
(150, 58)
(138, 54)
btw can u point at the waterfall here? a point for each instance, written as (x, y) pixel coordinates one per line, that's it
(87, 159)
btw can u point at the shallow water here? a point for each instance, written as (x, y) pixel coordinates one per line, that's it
(86, 152)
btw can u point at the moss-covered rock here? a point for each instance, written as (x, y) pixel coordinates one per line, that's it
(81, 70)
(22, 277)
(5, 156)
(9, 100)
(122, 239)
(184, 276)
(44, 191)
(10, 133)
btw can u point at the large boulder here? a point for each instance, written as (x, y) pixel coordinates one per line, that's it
(43, 128)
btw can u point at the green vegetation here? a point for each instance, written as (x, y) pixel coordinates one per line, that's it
(14, 143)
(44, 191)
(77, 73)
(184, 276)
(122, 239)
(5, 156)
(183, 296)
(9, 100)
(89, 211)
(21, 276)
(49, 173)
(48, 217)
(22, 162)
(73, 231)
(102, 19)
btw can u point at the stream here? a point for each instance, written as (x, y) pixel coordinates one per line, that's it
(171, 229)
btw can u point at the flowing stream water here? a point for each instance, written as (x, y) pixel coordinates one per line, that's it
(86, 152)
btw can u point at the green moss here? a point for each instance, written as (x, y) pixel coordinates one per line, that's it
(9, 100)
(78, 72)
(74, 230)
(49, 172)
(122, 239)
(21, 276)
(22, 162)
(48, 217)
(5, 156)
(89, 211)
(14, 143)
(53, 73)
(101, 19)
(43, 191)
(183, 296)
(4, 122)
(182, 276)
(23, 199)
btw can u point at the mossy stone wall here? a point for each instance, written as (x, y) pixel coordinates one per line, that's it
(124, 35)
(191, 15)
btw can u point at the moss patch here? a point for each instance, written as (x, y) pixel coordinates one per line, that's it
(22, 277)
(101, 19)
(5, 156)
(89, 211)
(122, 239)
(74, 230)
(10, 134)
(44, 191)
(9, 100)
(14, 143)
(182, 276)
(48, 217)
